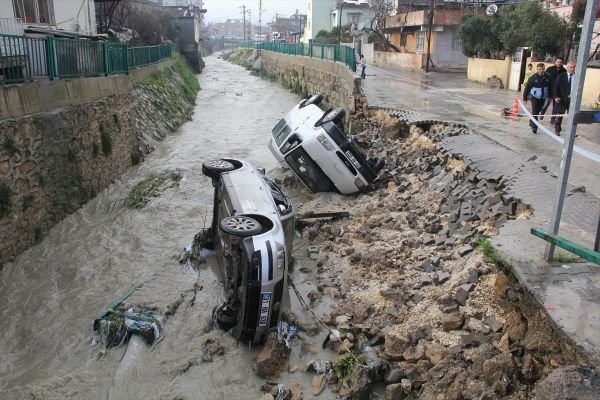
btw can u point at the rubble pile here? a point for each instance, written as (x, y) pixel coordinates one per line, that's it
(418, 308)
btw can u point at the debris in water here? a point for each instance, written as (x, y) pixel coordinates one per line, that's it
(144, 191)
(115, 327)
(285, 332)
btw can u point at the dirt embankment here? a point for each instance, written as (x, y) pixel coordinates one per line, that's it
(414, 280)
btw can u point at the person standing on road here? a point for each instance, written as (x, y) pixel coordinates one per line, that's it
(528, 74)
(562, 95)
(363, 66)
(540, 89)
(554, 71)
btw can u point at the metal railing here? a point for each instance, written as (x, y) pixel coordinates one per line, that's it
(331, 52)
(24, 59)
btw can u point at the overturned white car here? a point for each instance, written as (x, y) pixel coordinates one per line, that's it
(312, 143)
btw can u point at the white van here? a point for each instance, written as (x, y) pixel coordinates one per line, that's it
(311, 142)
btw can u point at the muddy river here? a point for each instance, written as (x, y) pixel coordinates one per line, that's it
(52, 293)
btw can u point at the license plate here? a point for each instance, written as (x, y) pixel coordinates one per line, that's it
(265, 302)
(353, 160)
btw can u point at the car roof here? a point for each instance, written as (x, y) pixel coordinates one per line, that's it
(248, 192)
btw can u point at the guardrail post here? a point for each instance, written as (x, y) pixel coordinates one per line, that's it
(50, 58)
(126, 57)
(105, 56)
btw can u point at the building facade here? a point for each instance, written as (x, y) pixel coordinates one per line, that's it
(76, 16)
(408, 32)
(318, 18)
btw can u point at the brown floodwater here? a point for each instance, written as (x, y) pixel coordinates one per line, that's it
(51, 294)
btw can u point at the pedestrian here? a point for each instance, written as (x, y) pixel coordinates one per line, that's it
(528, 74)
(554, 71)
(562, 95)
(540, 89)
(363, 66)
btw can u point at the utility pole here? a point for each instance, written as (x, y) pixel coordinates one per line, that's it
(341, 4)
(567, 155)
(429, 28)
(249, 24)
(260, 10)
(244, 19)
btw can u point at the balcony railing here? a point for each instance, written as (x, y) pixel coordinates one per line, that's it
(24, 59)
(11, 26)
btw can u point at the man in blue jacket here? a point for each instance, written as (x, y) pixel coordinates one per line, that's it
(540, 87)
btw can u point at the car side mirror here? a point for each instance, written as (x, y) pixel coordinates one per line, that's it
(262, 171)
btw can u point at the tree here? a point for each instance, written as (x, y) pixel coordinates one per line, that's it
(381, 9)
(333, 36)
(477, 37)
(151, 24)
(528, 25)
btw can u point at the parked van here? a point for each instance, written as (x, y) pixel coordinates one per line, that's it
(311, 142)
(252, 232)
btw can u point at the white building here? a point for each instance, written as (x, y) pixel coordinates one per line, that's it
(318, 17)
(77, 16)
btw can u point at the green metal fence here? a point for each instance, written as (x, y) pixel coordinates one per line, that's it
(24, 59)
(331, 52)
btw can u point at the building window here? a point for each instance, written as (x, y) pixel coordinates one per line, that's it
(456, 42)
(354, 18)
(32, 11)
(421, 41)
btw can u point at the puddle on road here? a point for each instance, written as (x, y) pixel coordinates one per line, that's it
(51, 294)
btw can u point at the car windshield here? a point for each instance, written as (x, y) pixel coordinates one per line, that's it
(306, 169)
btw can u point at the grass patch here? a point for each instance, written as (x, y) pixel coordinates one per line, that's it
(485, 246)
(135, 157)
(565, 258)
(151, 187)
(344, 366)
(191, 85)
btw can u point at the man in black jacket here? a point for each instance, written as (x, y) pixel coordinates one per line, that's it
(562, 94)
(540, 89)
(554, 71)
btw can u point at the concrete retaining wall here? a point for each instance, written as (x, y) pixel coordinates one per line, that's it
(25, 99)
(403, 60)
(67, 140)
(304, 75)
(479, 69)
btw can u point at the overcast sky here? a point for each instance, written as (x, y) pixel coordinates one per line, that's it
(220, 10)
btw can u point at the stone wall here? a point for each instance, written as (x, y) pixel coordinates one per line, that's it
(54, 161)
(305, 76)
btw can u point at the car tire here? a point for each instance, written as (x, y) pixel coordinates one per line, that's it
(315, 99)
(224, 316)
(214, 168)
(240, 226)
(335, 116)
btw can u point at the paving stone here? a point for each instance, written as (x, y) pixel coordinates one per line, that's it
(440, 277)
(464, 250)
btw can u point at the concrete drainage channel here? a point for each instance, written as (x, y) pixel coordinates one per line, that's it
(424, 307)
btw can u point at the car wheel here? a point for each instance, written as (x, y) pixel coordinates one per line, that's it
(314, 99)
(214, 168)
(335, 116)
(240, 226)
(225, 316)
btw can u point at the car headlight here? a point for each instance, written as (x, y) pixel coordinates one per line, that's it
(324, 142)
(280, 255)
